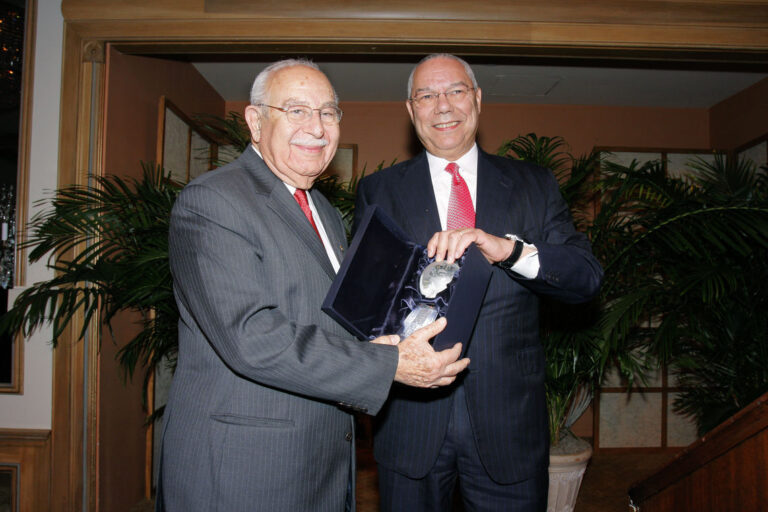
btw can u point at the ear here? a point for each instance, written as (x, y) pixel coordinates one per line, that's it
(409, 108)
(253, 118)
(478, 98)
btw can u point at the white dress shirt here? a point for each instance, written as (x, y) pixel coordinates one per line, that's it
(527, 266)
(318, 222)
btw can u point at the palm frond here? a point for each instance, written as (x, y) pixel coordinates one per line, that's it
(231, 130)
(107, 244)
(549, 152)
(680, 255)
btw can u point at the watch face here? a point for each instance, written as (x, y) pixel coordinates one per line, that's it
(516, 237)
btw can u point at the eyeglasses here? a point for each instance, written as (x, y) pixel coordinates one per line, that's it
(428, 98)
(300, 114)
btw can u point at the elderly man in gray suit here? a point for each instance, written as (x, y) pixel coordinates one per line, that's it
(259, 412)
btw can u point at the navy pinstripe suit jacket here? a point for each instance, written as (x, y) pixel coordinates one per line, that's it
(505, 381)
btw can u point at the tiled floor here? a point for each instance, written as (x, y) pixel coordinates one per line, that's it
(604, 488)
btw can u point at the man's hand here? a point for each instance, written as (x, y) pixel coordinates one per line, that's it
(419, 365)
(450, 245)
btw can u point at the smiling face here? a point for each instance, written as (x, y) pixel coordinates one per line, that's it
(296, 153)
(448, 128)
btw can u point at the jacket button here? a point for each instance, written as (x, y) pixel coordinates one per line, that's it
(348, 436)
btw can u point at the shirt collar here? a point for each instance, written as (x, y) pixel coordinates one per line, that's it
(467, 162)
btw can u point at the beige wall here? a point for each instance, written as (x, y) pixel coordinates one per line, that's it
(383, 131)
(135, 85)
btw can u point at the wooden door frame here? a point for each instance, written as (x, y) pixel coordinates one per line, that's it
(74, 458)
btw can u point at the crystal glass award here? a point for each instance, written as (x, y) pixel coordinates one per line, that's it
(433, 279)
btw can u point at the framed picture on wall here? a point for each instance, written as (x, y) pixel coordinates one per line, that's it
(184, 151)
(9, 487)
(344, 163)
(17, 64)
(11, 363)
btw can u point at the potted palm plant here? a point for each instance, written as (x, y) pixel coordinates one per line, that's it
(108, 245)
(692, 255)
(688, 253)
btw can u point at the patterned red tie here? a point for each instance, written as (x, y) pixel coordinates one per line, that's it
(461, 213)
(301, 198)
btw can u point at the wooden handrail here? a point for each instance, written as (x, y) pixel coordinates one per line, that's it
(741, 427)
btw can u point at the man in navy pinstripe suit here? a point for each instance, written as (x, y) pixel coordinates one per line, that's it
(489, 429)
(259, 412)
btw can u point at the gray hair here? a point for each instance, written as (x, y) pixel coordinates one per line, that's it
(261, 83)
(461, 61)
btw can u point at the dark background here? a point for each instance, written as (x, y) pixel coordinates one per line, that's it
(11, 55)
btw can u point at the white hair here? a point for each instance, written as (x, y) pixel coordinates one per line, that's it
(461, 61)
(261, 83)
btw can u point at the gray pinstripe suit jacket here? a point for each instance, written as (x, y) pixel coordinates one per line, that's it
(505, 380)
(258, 412)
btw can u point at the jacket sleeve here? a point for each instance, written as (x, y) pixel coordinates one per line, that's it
(236, 296)
(568, 270)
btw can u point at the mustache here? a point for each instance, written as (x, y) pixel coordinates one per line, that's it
(309, 142)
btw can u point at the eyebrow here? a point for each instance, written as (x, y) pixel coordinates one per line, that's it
(296, 102)
(454, 84)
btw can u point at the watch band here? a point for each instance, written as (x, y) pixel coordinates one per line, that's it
(517, 250)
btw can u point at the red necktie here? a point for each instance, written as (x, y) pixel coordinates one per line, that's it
(461, 213)
(301, 198)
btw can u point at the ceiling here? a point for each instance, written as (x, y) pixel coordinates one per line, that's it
(502, 83)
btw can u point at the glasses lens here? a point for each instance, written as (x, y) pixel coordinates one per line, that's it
(425, 100)
(298, 114)
(430, 98)
(456, 94)
(330, 115)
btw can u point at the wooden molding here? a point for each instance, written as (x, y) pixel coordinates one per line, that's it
(22, 172)
(477, 37)
(603, 26)
(74, 454)
(93, 51)
(15, 436)
(29, 450)
(647, 12)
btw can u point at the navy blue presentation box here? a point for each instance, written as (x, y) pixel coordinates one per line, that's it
(377, 284)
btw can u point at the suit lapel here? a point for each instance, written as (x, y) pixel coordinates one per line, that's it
(417, 198)
(495, 198)
(333, 228)
(280, 201)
